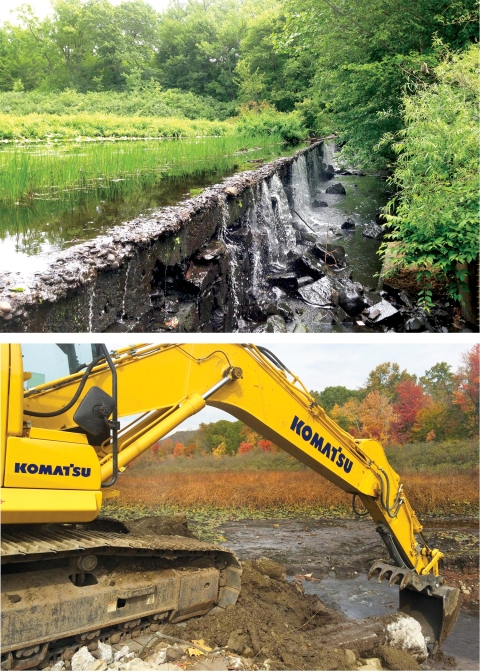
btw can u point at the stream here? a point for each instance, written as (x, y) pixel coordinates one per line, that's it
(338, 572)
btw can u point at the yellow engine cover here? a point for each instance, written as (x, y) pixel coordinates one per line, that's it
(51, 464)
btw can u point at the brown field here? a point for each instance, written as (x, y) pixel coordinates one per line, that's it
(287, 490)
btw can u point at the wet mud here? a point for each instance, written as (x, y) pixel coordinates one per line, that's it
(331, 559)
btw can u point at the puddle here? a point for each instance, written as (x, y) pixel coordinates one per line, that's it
(338, 554)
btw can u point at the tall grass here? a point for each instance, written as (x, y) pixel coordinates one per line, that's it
(48, 171)
(287, 492)
(36, 126)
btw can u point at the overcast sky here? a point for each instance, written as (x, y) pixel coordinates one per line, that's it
(42, 7)
(348, 364)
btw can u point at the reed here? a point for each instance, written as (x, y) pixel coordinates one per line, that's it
(59, 171)
(287, 492)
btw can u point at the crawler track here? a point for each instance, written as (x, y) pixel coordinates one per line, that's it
(64, 588)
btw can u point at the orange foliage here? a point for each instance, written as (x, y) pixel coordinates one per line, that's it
(179, 449)
(456, 493)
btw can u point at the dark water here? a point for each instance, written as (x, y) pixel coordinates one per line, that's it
(338, 553)
(32, 230)
(365, 196)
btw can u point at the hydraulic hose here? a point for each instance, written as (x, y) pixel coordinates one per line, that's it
(74, 399)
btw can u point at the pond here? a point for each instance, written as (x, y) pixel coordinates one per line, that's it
(55, 195)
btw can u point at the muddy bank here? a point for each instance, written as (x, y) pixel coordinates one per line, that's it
(324, 616)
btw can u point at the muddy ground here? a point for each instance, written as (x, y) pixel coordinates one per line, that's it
(329, 560)
(306, 603)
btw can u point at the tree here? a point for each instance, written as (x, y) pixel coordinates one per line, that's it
(377, 416)
(244, 448)
(347, 416)
(438, 382)
(434, 219)
(467, 381)
(178, 450)
(220, 450)
(385, 377)
(410, 399)
(335, 395)
(366, 52)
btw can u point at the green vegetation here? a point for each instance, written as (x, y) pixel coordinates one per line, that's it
(395, 80)
(437, 457)
(83, 125)
(149, 100)
(47, 171)
(434, 225)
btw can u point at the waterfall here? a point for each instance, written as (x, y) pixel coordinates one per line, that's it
(125, 290)
(233, 252)
(90, 308)
(300, 186)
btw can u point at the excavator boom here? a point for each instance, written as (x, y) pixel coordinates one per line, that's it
(62, 446)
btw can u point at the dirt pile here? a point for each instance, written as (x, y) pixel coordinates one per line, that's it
(274, 625)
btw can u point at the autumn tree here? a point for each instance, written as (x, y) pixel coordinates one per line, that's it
(347, 416)
(179, 449)
(220, 450)
(410, 399)
(376, 415)
(467, 381)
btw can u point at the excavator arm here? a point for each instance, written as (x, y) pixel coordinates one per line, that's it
(164, 385)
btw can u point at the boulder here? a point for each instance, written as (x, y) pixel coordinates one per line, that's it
(348, 225)
(309, 265)
(82, 660)
(328, 171)
(372, 230)
(304, 280)
(284, 310)
(320, 292)
(276, 325)
(319, 204)
(405, 633)
(415, 323)
(336, 188)
(287, 281)
(350, 300)
(383, 313)
(271, 568)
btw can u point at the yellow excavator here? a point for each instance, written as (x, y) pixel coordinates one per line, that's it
(71, 579)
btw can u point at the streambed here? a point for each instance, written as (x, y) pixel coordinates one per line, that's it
(332, 557)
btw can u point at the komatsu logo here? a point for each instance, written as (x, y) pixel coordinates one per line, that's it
(335, 454)
(50, 470)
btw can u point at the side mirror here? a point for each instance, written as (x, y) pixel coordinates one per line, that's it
(95, 408)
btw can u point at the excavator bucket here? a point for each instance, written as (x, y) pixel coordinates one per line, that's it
(436, 613)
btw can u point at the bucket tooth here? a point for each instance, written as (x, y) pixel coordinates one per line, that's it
(376, 568)
(397, 577)
(386, 573)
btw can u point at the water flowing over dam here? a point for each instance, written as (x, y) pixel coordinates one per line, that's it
(290, 246)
